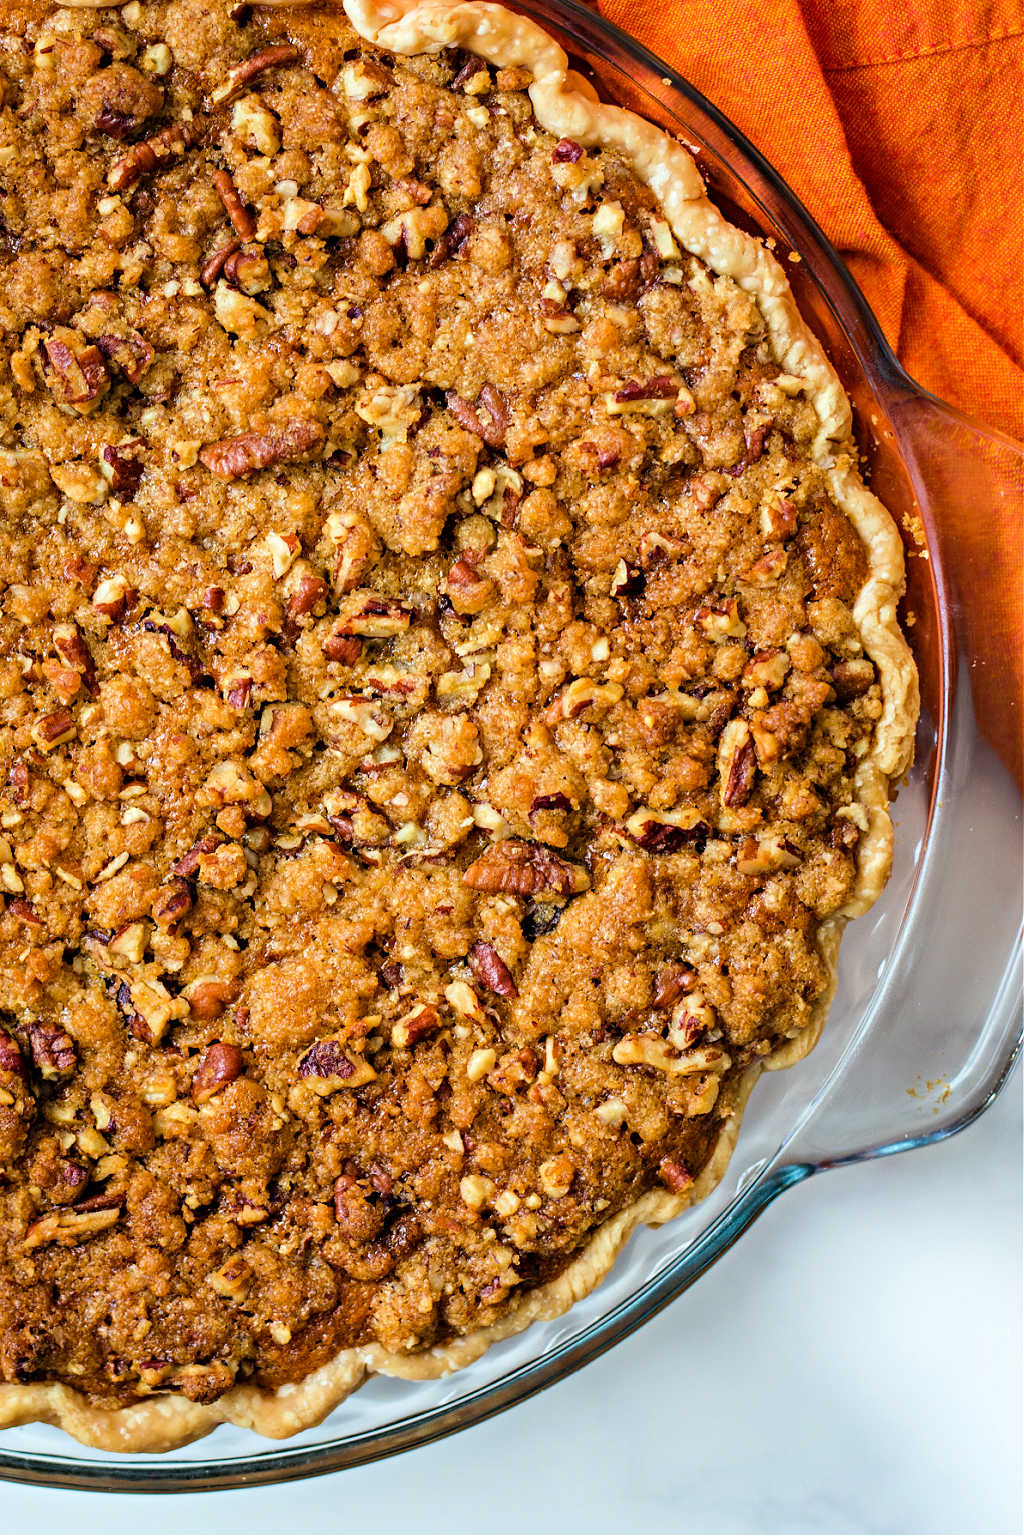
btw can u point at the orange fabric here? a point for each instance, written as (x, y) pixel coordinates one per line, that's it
(898, 124)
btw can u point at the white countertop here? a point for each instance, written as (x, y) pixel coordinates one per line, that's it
(852, 1365)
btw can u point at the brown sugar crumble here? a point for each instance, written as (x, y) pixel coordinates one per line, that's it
(429, 697)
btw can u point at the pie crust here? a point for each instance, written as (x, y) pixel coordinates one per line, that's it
(565, 106)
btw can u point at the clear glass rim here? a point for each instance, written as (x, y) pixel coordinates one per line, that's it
(854, 315)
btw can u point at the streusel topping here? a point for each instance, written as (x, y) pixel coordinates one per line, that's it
(429, 697)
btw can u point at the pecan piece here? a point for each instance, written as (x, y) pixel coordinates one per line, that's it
(671, 982)
(567, 152)
(234, 457)
(342, 647)
(737, 764)
(525, 869)
(327, 1066)
(490, 970)
(53, 729)
(667, 833)
(220, 1064)
(78, 373)
(852, 679)
(490, 430)
(69, 643)
(132, 354)
(69, 1227)
(239, 75)
(214, 265)
(123, 471)
(675, 1176)
(453, 239)
(242, 220)
(53, 1050)
(417, 1024)
(153, 154)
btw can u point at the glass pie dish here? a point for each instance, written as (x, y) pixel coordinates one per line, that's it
(924, 1027)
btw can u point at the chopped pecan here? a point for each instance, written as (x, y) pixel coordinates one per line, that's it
(453, 239)
(125, 472)
(11, 1060)
(242, 220)
(672, 980)
(208, 996)
(234, 457)
(69, 643)
(852, 679)
(327, 1066)
(239, 75)
(755, 439)
(627, 580)
(53, 1050)
(492, 428)
(567, 152)
(469, 591)
(153, 154)
(417, 1024)
(490, 969)
(214, 265)
(220, 1064)
(78, 372)
(654, 1051)
(132, 354)
(53, 729)
(342, 647)
(248, 270)
(69, 1227)
(374, 617)
(172, 901)
(661, 387)
(674, 1175)
(737, 764)
(667, 833)
(524, 869)
(113, 597)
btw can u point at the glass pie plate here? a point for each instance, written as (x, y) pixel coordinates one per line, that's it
(925, 1026)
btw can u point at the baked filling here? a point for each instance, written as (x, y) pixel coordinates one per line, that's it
(431, 702)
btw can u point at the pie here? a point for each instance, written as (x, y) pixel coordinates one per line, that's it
(450, 696)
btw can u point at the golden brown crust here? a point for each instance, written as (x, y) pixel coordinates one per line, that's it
(562, 108)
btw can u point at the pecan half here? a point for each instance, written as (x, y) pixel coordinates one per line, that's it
(220, 1065)
(239, 75)
(242, 220)
(490, 970)
(525, 869)
(248, 452)
(153, 154)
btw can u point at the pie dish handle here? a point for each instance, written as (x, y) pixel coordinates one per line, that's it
(943, 1027)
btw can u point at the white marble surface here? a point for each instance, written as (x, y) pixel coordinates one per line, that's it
(853, 1365)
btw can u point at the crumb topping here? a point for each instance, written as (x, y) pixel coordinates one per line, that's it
(429, 697)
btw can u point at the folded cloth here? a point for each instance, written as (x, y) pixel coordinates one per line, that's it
(898, 124)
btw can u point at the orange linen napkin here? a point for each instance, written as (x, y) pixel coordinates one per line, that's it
(898, 124)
